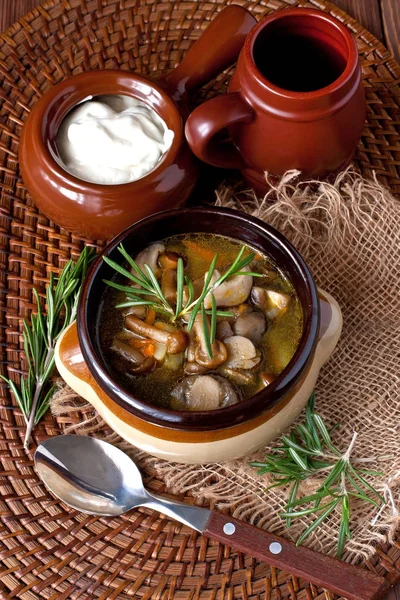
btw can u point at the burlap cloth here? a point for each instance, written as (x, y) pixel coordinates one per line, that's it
(349, 233)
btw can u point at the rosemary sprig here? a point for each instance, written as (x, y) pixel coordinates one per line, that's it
(146, 291)
(308, 451)
(40, 338)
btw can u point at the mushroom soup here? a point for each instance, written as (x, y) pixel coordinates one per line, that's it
(198, 322)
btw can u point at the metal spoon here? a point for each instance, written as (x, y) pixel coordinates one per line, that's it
(97, 478)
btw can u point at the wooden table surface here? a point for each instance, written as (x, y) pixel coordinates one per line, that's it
(381, 17)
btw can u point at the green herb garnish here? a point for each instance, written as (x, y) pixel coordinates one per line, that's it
(146, 291)
(308, 451)
(40, 338)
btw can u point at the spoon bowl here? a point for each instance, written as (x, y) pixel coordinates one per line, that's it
(90, 475)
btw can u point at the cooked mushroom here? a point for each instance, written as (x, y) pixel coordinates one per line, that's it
(219, 353)
(197, 288)
(168, 260)
(242, 354)
(138, 363)
(233, 291)
(191, 367)
(270, 301)
(224, 330)
(176, 341)
(237, 376)
(278, 299)
(169, 263)
(204, 392)
(168, 284)
(251, 325)
(138, 311)
(149, 257)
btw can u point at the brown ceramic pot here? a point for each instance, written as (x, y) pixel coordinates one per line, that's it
(101, 211)
(296, 101)
(200, 436)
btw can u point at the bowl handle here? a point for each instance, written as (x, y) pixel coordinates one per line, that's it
(330, 326)
(215, 50)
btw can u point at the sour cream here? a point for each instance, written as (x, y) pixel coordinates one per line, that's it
(112, 139)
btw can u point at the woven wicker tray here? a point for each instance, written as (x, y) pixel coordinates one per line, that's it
(47, 550)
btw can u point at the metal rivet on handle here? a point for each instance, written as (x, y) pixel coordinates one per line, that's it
(275, 548)
(229, 528)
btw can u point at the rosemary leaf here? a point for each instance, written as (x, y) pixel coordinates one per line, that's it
(206, 331)
(40, 337)
(213, 327)
(330, 508)
(365, 483)
(308, 511)
(140, 275)
(292, 496)
(125, 273)
(221, 313)
(199, 302)
(190, 290)
(157, 289)
(132, 291)
(308, 451)
(180, 279)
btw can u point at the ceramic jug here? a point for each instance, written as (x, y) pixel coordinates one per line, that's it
(296, 101)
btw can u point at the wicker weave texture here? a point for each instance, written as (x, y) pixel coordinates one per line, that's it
(47, 550)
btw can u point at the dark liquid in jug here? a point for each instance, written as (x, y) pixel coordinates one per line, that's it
(298, 62)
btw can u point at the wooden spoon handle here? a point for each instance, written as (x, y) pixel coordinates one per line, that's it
(354, 583)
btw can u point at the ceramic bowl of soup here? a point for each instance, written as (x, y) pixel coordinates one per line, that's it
(200, 335)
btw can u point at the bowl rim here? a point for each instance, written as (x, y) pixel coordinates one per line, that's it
(223, 418)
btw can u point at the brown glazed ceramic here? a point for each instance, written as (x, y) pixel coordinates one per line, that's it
(296, 101)
(209, 220)
(101, 211)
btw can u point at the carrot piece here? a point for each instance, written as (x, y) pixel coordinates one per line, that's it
(146, 347)
(148, 350)
(139, 342)
(199, 250)
(151, 316)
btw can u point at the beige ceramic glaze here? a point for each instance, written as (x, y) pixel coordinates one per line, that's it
(217, 445)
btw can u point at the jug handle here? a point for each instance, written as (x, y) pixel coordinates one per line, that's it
(215, 50)
(211, 118)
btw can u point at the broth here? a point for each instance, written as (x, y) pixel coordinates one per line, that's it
(274, 347)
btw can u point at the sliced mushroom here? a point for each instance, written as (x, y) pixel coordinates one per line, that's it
(168, 284)
(138, 363)
(204, 392)
(251, 325)
(224, 330)
(191, 367)
(242, 354)
(219, 353)
(233, 291)
(197, 288)
(176, 341)
(278, 299)
(237, 376)
(169, 263)
(149, 257)
(138, 311)
(273, 303)
(168, 260)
